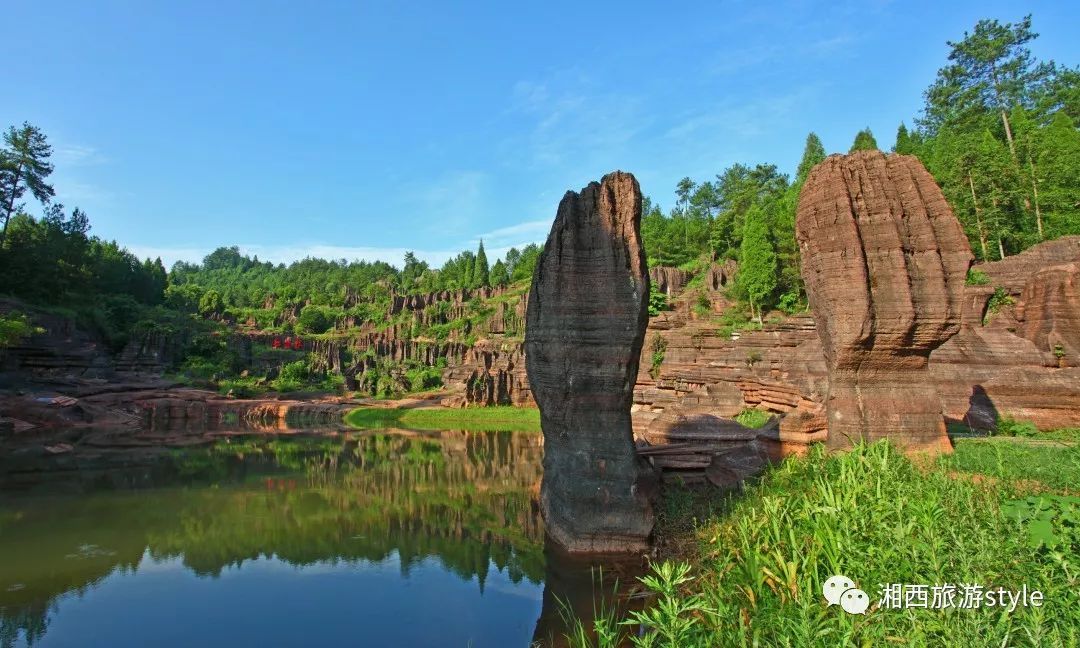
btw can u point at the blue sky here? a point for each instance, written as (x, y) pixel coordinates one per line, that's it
(364, 129)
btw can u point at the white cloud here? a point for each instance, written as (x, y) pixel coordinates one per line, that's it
(69, 155)
(496, 243)
(504, 238)
(449, 202)
(575, 125)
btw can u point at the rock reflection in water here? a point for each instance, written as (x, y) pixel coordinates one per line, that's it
(459, 502)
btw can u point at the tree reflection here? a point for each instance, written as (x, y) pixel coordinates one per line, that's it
(462, 498)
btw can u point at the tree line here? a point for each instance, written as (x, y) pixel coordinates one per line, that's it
(998, 132)
(53, 259)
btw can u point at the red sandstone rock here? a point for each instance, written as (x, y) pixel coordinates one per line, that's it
(668, 280)
(720, 275)
(1049, 310)
(1013, 273)
(884, 261)
(586, 320)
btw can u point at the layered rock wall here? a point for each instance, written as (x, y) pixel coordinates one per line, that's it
(884, 261)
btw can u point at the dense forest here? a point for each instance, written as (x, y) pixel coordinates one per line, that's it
(998, 131)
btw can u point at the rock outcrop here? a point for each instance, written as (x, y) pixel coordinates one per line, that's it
(668, 280)
(491, 374)
(1049, 312)
(884, 261)
(585, 324)
(1013, 273)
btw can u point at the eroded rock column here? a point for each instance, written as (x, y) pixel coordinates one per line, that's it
(884, 261)
(585, 323)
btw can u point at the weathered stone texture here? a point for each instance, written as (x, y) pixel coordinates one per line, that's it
(884, 261)
(1049, 312)
(1013, 273)
(585, 323)
(668, 280)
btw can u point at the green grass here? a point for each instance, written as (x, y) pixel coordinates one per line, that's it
(1053, 464)
(472, 418)
(753, 418)
(877, 517)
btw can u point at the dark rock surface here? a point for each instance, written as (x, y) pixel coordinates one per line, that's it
(585, 324)
(884, 260)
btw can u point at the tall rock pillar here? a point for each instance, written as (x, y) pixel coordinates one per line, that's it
(884, 261)
(585, 323)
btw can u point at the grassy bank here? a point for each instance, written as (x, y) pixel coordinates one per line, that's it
(754, 575)
(1052, 464)
(480, 419)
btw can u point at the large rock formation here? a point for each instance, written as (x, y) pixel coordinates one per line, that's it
(585, 324)
(884, 261)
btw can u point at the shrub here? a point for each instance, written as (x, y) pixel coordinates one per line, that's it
(702, 305)
(1008, 426)
(657, 300)
(977, 278)
(314, 319)
(1000, 299)
(14, 328)
(791, 302)
(753, 418)
(659, 348)
(293, 376)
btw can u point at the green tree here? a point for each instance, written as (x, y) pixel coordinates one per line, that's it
(499, 276)
(813, 154)
(907, 143)
(315, 319)
(210, 303)
(1057, 162)
(787, 248)
(24, 164)
(481, 277)
(864, 141)
(990, 72)
(523, 269)
(757, 261)
(412, 270)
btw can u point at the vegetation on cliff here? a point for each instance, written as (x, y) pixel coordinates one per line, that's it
(998, 131)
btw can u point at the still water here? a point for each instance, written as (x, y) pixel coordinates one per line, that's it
(369, 539)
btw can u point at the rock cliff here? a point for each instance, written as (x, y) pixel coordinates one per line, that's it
(585, 324)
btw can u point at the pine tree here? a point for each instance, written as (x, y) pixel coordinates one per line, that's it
(481, 277)
(24, 164)
(991, 72)
(787, 248)
(757, 261)
(907, 143)
(813, 154)
(864, 141)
